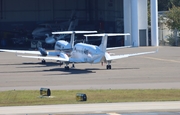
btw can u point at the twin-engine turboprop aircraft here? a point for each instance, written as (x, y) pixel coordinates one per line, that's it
(87, 53)
(60, 47)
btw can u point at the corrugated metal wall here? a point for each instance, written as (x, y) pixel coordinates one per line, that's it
(40, 10)
(48, 10)
(100, 15)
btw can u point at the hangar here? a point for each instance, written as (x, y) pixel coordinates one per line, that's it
(18, 18)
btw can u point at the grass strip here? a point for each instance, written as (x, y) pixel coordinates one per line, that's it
(32, 97)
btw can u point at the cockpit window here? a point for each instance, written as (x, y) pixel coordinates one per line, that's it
(86, 51)
(58, 45)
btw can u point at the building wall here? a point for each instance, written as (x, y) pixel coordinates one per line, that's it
(135, 22)
(143, 23)
(45, 10)
(41, 10)
(102, 15)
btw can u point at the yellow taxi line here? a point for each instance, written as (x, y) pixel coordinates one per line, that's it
(160, 59)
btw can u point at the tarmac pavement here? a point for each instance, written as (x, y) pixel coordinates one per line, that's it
(152, 71)
(92, 108)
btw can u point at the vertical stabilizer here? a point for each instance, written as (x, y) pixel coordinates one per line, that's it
(103, 44)
(72, 39)
(73, 21)
(104, 36)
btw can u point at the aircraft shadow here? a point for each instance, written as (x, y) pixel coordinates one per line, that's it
(81, 71)
(110, 69)
(64, 72)
(19, 71)
(47, 64)
(70, 71)
(123, 68)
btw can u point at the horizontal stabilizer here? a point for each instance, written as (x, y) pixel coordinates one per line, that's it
(75, 32)
(114, 48)
(108, 34)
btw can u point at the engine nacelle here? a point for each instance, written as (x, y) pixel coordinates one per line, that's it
(42, 51)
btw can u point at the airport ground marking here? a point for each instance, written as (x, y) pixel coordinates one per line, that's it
(160, 59)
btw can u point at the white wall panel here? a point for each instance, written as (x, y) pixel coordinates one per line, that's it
(142, 10)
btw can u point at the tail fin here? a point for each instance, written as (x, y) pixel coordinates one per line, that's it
(73, 21)
(72, 40)
(42, 51)
(103, 44)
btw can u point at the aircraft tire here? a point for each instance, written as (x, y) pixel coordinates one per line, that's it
(108, 67)
(66, 67)
(43, 61)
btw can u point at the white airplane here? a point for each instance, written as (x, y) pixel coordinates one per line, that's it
(65, 46)
(86, 53)
(61, 46)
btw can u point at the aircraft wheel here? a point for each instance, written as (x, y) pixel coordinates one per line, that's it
(60, 63)
(73, 65)
(108, 67)
(66, 67)
(43, 61)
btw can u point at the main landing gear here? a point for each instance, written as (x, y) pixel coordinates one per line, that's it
(67, 66)
(73, 66)
(43, 61)
(108, 66)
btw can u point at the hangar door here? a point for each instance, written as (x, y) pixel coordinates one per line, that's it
(142, 37)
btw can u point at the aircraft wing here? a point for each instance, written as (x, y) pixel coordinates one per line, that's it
(113, 48)
(41, 52)
(21, 51)
(47, 57)
(108, 57)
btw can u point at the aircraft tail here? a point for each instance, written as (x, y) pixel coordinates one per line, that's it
(42, 51)
(73, 21)
(104, 36)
